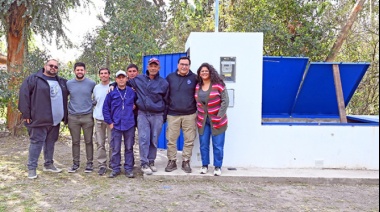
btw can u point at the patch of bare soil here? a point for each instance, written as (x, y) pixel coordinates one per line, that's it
(91, 192)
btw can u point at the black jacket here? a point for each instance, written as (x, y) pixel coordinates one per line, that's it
(181, 93)
(34, 100)
(152, 95)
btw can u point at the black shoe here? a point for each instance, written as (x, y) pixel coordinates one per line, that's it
(113, 174)
(172, 165)
(186, 166)
(73, 169)
(129, 174)
(89, 168)
(102, 171)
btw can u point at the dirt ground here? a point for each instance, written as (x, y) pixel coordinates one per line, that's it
(91, 192)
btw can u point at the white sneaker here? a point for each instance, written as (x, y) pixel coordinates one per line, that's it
(146, 170)
(152, 167)
(217, 172)
(204, 170)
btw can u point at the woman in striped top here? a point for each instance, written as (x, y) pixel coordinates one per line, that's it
(212, 103)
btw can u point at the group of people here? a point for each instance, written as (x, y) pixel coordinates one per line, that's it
(185, 100)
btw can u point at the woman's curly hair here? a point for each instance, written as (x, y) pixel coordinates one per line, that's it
(214, 76)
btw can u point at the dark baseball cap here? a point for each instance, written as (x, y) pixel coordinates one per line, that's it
(154, 60)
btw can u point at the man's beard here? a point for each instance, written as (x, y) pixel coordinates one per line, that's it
(51, 74)
(80, 77)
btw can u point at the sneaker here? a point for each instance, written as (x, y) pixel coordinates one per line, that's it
(102, 171)
(146, 169)
(73, 169)
(186, 166)
(32, 174)
(217, 171)
(204, 170)
(129, 174)
(113, 174)
(152, 167)
(51, 168)
(89, 168)
(172, 165)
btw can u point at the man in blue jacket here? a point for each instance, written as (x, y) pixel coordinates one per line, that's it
(43, 104)
(118, 114)
(152, 98)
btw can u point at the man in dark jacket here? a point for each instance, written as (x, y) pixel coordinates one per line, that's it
(43, 104)
(181, 114)
(152, 98)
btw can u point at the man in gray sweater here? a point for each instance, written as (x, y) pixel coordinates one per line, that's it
(80, 116)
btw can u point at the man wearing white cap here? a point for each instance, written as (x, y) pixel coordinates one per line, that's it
(118, 114)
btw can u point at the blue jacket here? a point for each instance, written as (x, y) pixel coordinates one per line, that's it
(113, 112)
(152, 95)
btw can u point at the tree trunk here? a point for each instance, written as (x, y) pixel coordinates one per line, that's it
(16, 41)
(344, 33)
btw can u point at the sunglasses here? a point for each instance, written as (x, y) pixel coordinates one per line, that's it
(53, 66)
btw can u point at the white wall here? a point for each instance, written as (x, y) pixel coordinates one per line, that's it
(248, 143)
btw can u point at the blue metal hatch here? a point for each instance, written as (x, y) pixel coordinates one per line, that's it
(317, 96)
(282, 77)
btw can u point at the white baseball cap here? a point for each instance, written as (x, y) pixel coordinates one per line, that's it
(120, 72)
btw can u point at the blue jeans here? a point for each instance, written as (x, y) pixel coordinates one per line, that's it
(129, 141)
(149, 127)
(217, 144)
(42, 138)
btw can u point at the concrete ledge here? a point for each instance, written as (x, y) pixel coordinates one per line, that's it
(308, 176)
(263, 175)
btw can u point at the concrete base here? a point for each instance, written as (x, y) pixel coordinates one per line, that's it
(260, 175)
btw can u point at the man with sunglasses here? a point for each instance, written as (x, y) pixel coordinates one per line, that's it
(43, 104)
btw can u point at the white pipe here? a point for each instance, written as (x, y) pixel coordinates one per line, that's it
(216, 15)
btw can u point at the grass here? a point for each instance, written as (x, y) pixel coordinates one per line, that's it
(90, 192)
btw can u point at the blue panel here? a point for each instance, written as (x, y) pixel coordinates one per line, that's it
(364, 118)
(351, 75)
(281, 80)
(317, 95)
(168, 63)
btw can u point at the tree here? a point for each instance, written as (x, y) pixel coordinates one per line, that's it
(184, 19)
(129, 33)
(18, 19)
(345, 30)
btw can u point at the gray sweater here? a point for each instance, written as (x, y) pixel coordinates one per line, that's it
(80, 102)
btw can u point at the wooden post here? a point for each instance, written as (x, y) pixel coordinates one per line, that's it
(339, 94)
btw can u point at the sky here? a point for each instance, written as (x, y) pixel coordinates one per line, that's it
(81, 21)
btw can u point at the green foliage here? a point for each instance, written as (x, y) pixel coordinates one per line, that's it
(44, 18)
(34, 61)
(291, 28)
(133, 29)
(363, 45)
(187, 18)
